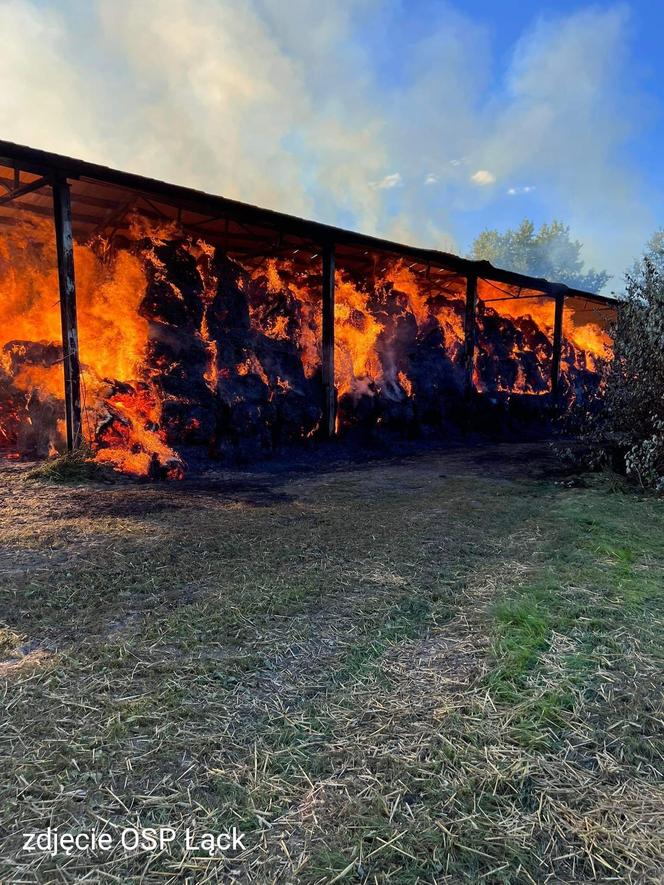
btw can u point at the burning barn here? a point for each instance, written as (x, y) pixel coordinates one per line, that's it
(146, 319)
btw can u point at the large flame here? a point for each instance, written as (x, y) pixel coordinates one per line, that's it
(527, 323)
(112, 337)
(180, 343)
(356, 329)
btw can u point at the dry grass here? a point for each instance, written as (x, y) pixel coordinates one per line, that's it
(442, 670)
(76, 466)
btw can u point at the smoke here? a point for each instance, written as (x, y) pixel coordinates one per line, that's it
(345, 113)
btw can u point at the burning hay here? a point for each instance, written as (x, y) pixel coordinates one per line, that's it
(183, 345)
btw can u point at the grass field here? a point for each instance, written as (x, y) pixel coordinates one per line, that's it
(446, 668)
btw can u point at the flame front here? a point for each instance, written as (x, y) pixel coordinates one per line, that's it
(111, 286)
(181, 345)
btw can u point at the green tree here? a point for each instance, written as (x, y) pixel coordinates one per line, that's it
(630, 422)
(652, 257)
(548, 252)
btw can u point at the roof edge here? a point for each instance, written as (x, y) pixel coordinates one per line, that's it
(48, 163)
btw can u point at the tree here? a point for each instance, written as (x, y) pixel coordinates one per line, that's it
(548, 252)
(630, 423)
(653, 256)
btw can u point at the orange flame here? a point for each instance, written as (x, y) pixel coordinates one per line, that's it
(112, 333)
(589, 343)
(123, 400)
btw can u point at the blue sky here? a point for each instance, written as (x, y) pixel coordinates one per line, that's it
(423, 121)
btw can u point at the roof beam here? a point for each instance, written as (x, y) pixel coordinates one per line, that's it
(78, 218)
(25, 189)
(46, 163)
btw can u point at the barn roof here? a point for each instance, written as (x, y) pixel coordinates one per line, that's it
(103, 199)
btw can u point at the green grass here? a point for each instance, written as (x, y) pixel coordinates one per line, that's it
(421, 672)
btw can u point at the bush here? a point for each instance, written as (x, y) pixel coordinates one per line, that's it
(630, 426)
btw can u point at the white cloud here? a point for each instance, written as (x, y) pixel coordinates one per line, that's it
(388, 182)
(483, 177)
(568, 110)
(431, 178)
(516, 191)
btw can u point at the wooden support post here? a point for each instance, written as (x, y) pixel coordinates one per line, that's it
(329, 390)
(557, 343)
(470, 324)
(65, 247)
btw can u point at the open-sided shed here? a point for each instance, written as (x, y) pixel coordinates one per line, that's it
(88, 201)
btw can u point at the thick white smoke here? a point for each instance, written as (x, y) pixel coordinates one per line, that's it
(303, 112)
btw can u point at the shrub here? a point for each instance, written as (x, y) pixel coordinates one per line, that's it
(631, 423)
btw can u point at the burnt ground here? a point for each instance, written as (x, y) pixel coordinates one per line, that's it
(428, 666)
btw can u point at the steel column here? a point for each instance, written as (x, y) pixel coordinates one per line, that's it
(329, 390)
(557, 343)
(65, 247)
(470, 327)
